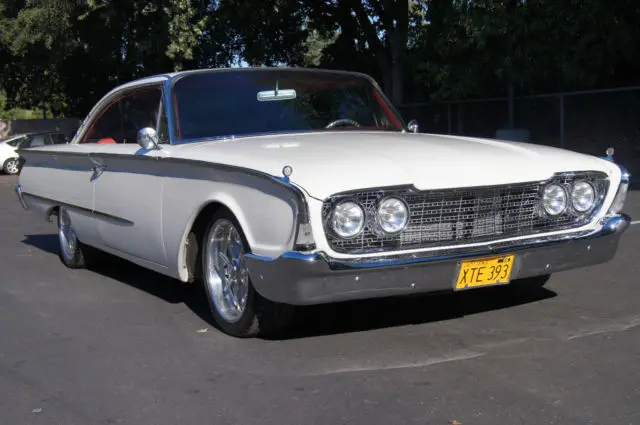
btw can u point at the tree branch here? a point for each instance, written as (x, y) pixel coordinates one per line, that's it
(368, 28)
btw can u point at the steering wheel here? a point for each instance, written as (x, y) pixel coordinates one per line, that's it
(343, 121)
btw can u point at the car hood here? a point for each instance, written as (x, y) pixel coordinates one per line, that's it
(331, 162)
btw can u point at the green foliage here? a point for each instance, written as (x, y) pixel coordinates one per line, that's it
(184, 31)
(62, 55)
(477, 48)
(7, 113)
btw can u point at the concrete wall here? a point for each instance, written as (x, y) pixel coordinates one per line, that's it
(65, 125)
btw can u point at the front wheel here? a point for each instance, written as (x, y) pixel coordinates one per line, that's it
(235, 305)
(11, 166)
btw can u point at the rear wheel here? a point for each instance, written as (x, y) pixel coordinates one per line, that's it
(73, 253)
(235, 305)
(11, 166)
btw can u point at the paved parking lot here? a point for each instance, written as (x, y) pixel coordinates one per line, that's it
(124, 345)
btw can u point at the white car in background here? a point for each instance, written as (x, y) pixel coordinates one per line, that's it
(10, 160)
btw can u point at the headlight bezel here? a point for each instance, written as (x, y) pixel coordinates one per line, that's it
(598, 181)
(594, 199)
(620, 198)
(362, 225)
(378, 219)
(563, 190)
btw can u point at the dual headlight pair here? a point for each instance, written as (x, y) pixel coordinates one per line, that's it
(580, 197)
(392, 215)
(349, 218)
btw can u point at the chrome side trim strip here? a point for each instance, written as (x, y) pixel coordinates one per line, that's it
(304, 210)
(79, 208)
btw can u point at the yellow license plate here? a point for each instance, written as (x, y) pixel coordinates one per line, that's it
(485, 272)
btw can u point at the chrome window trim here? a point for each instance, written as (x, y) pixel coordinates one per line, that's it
(110, 98)
(173, 79)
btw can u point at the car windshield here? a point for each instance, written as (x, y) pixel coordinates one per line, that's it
(215, 104)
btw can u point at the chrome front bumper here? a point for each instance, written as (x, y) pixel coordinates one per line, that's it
(302, 279)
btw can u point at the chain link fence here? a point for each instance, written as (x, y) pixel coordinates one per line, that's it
(587, 122)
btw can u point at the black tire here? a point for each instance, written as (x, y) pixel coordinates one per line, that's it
(260, 317)
(81, 256)
(11, 166)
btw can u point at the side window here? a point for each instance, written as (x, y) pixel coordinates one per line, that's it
(16, 142)
(37, 140)
(122, 120)
(25, 143)
(108, 125)
(58, 139)
(140, 110)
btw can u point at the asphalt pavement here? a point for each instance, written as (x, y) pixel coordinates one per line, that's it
(122, 345)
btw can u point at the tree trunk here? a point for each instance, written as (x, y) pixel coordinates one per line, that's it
(397, 83)
(511, 105)
(397, 45)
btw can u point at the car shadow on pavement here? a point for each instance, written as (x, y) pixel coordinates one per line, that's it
(156, 284)
(328, 319)
(47, 243)
(365, 315)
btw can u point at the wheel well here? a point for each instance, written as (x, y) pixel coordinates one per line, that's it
(51, 212)
(195, 238)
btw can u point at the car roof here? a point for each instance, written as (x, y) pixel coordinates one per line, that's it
(176, 75)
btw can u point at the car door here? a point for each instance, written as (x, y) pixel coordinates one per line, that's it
(128, 188)
(60, 176)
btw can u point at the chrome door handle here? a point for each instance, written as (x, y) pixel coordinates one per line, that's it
(97, 165)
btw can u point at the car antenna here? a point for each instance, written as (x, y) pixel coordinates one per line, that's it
(276, 91)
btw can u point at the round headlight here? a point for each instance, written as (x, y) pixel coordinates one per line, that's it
(393, 215)
(554, 199)
(347, 219)
(583, 196)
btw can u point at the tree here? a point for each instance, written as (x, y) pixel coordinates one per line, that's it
(483, 47)
(376, 28)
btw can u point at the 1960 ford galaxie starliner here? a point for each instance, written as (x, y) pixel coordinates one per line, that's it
(280, 187)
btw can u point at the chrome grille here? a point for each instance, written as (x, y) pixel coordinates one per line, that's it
(459, 216)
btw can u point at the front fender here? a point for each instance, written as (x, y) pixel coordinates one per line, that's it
(267, 210)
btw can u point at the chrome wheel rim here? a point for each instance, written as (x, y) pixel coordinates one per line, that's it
(66, 234)
(12, 166)
(226, 272)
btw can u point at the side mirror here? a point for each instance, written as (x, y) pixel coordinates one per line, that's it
(413, 126)
(148, 138)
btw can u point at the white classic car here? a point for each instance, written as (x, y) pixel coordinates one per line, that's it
(280, 187)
